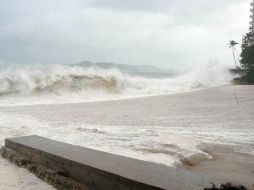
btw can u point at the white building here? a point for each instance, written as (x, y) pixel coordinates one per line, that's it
(252, 17)
(248, 39)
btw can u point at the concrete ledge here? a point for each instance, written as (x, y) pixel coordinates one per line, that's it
(103, 171)
(57, 178)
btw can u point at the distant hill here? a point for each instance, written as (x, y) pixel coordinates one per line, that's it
(139, 70)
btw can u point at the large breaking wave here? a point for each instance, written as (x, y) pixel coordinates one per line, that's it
(75, 83)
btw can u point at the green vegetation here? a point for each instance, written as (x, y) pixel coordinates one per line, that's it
(232, 45)
(247, 57)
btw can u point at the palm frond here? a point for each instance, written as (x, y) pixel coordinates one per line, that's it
(232, 43)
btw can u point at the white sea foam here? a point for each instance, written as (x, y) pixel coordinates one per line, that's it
(21, 85)
(165, 145)
(14, 178)
(61, 84)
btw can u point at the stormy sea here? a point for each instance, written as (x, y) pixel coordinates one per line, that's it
(162, 116)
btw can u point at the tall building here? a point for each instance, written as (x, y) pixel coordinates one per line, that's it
(248, 39)
(252, 17)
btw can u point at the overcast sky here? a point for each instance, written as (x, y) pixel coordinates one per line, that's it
(166, 33)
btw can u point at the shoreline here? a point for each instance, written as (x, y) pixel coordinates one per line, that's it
(152, 128)
(234, 167)
(125, 98)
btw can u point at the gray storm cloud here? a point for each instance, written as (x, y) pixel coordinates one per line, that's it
(169, 34)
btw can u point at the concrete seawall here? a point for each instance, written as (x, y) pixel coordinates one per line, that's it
(85, 168)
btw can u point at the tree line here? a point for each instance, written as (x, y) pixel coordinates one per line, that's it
(247, 56)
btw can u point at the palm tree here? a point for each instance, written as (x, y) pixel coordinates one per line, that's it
(232, 45)
(249, 38)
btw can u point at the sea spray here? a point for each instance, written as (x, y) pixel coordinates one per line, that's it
(76, 83)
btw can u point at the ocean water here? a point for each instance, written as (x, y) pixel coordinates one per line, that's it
(47, 84)
(159, 118)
